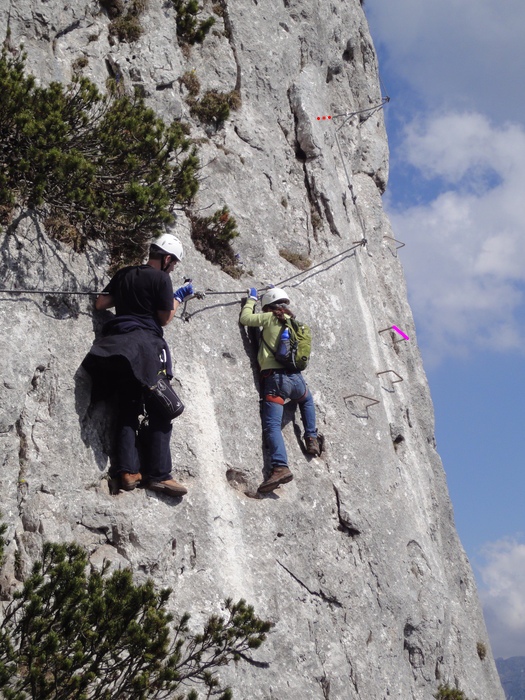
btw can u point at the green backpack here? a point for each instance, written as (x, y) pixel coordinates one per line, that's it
(294, 345)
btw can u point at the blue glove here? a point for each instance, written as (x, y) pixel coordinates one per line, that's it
(183, 292)
(252, 293)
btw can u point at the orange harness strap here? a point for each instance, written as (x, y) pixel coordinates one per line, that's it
(274, 399)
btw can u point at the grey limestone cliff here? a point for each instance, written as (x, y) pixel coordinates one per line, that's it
(357, 561)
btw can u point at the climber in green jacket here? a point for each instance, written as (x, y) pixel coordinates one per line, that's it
(278, 385)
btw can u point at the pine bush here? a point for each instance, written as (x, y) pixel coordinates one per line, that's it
(189, 29)
(212, 235)
(106, 164)
(70, 634)
(445, 692)
(214, 106)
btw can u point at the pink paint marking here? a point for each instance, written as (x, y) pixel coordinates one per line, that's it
(405, 336)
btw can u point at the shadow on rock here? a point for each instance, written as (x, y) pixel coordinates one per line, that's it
(94, 416)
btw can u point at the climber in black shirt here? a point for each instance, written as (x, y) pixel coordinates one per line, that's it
(129, 357)
(140, 291)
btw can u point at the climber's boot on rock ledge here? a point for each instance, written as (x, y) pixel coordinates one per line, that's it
(169, 487)
(129, 481)
(279, 475)
(312, 446)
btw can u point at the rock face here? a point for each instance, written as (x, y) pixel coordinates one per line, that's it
(357, 561)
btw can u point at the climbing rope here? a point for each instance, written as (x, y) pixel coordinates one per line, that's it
(186, 316)
(369, 111)
(350, 187)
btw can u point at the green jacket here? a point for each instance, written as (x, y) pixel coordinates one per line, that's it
(271, 327)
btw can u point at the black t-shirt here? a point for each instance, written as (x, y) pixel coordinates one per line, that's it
(141, 291)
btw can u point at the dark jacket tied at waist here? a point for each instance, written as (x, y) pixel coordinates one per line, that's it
(138, 341)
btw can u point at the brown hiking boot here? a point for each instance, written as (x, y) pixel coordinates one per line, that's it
(129, 481)
(312, 446)
(279, 475)
(169, 487)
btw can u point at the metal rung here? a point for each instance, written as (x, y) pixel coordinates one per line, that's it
(396, 340)
(362, 396)
(394, 381)
(401, 244)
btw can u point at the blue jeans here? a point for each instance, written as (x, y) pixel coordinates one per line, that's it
(281, 385)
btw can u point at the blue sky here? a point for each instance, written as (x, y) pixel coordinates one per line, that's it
(455, 72)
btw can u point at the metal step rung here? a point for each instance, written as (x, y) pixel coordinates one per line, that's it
(393, 381)
(362, 396)
(401, 244)
(395, 339)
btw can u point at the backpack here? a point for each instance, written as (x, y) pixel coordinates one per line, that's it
(294, 345)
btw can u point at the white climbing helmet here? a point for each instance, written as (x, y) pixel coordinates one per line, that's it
(169, 244)
(274, 295)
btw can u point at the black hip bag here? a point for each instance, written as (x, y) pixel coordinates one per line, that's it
(165, 399)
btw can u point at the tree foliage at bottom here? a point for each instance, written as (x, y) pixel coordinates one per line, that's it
(70, 633)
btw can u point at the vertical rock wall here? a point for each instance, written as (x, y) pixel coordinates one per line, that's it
(357, 561)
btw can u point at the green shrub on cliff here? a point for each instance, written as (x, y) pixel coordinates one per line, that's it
(190, 29)
(445, 692)
(212, 235)
(214, 106)
(71, 635)
(125, 18)
(105, 167)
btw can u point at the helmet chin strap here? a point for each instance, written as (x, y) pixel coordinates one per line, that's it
(166, 265)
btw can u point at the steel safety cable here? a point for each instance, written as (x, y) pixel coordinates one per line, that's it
(324, 262)
(210, 292)
(374, 108)
(348, 115)
(49, 291)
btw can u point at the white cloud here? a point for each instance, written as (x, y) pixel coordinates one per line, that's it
(467, 54)
(465, 262)
(503, 596)
(465, 258)
(452, 145)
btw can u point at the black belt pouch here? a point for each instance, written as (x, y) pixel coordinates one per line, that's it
(165, 399)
